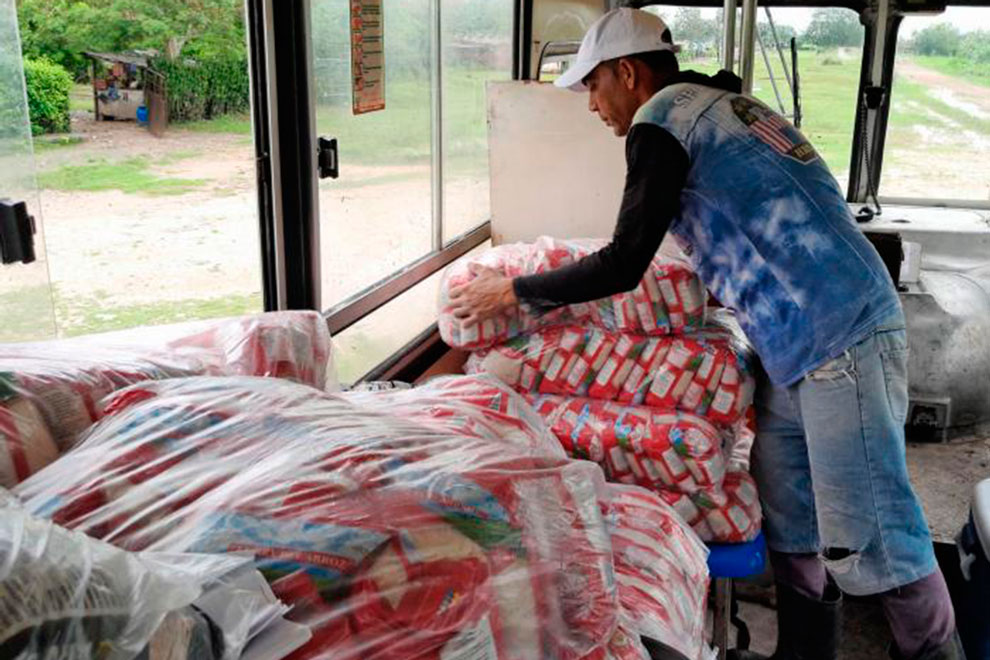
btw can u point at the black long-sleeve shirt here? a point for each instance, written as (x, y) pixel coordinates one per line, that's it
(656, 169)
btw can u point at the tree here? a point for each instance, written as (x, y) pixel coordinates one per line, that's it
(938, 39)
(834, 27)
(784, 34)
(62, 29)
(692, 31)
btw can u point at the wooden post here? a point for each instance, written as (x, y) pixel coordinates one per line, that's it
(92, 80)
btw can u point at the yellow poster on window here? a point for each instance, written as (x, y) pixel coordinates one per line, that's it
(367, 56)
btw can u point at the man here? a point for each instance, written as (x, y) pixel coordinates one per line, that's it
(766, 227)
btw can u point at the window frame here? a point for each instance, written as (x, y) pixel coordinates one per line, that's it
(285, 135)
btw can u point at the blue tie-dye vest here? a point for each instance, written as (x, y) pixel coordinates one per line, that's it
(768, 230)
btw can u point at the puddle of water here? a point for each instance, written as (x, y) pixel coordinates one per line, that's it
(949, 97)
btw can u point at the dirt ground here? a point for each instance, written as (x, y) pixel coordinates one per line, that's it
(944, 159)
(112, 249)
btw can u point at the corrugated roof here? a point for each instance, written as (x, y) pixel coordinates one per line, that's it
(138, 59)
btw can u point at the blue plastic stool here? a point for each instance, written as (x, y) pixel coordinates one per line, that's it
(727, 561)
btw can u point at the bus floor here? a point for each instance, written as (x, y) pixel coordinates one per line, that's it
(865, 634)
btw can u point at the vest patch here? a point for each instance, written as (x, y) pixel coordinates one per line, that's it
(773, 130)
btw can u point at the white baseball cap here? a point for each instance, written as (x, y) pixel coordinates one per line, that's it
(618, 33)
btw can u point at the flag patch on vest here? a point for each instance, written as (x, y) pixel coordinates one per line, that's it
(773, 130)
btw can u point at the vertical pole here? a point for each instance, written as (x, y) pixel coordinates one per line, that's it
(796, 84)
(436, 123)
(747, 45)
(776, 44)
(720, 620)
(729, 35)
(96, 97)
(773, 80)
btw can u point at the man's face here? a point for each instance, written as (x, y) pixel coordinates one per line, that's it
(610, 94)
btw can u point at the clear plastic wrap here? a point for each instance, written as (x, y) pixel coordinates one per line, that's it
(729, 514)
(65, 595)
(661, 570)
(683, 457)
(50, 391)
(673, 451)
(705, 372)
(480, 406)
(670, 298)
(395, 530)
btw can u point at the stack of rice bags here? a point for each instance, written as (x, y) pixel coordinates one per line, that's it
(49, 391)
(438, 522)
(642, 382)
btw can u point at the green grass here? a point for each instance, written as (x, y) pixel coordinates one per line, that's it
(828, 98)
(81, 317)
(231, 124)
(130, 176)
(913, 105)
(400, 134)
(50, 142)
(81, 97)
(959, 67)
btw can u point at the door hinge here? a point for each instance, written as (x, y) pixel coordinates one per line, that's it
(17, 230)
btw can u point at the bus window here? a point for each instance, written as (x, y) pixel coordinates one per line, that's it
(147, 190)
(697, 31)
(829, 52)
(476, 38)
(938, 134)
(829, 43)
(379, 215)
(384, 332)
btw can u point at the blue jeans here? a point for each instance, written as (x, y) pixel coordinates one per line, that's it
(829, 461)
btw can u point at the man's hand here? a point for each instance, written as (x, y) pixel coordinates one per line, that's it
(489, 294)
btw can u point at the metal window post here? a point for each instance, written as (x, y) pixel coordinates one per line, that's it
(747, 45)
(436, 122)
(729, 35)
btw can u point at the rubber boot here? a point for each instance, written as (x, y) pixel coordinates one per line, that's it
(807, 629)
(951, 649)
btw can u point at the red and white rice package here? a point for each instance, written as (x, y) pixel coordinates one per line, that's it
(671, 450)
(695, 466)
(50, 391)
(730, 514)
(661, 570)
(705, 373)
(393, 533)
(669, 299)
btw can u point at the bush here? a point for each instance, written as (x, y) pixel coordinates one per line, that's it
(939, 39)
(48, 86)
(205, 88)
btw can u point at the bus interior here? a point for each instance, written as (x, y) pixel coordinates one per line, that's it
(350, 226)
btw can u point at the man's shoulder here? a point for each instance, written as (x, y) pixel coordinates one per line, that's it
(679, 102)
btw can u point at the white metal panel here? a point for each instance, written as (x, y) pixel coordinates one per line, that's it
(556, 169)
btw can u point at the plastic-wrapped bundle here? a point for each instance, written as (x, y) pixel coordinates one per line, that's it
(393, 537)
(50, 391)
(670, 298)
(670, 450)
(65, 595)
(731, 514)
(705, 373)
(661, 570)
(695, 466)
(480, 406)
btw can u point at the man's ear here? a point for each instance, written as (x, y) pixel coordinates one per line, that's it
(627, 73)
